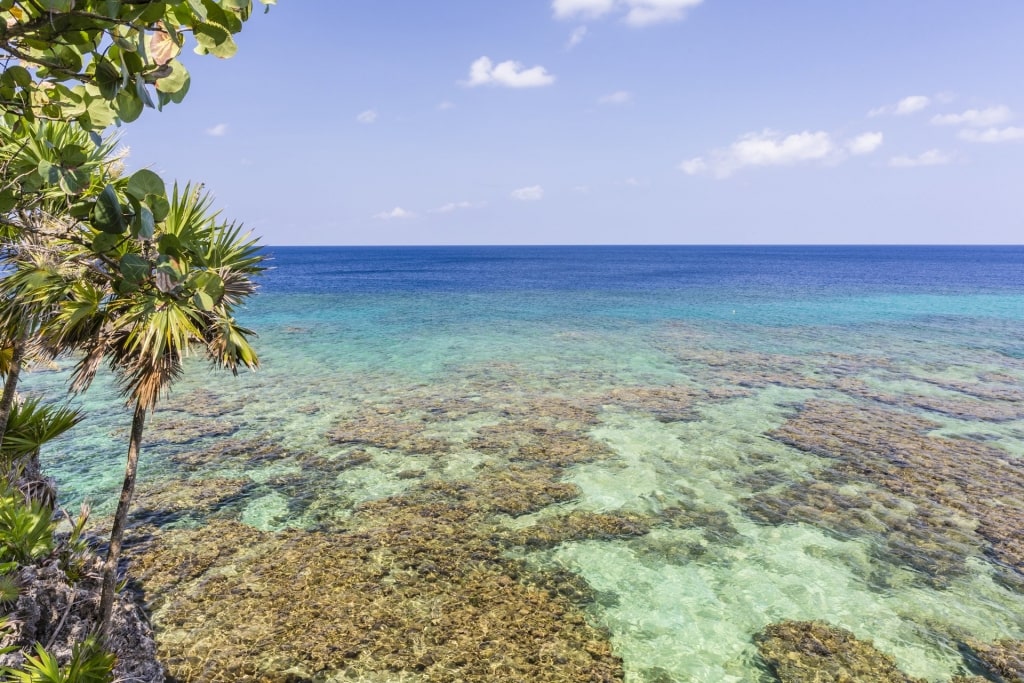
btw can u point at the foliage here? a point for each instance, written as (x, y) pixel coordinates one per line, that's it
(74, 553)
(108, 266)
(89, 664)
(10, 589)
(33, 423)
(100, 62)
(26, 529)
(49, 161)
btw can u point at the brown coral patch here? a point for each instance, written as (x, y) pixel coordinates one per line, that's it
(997, 407)
(537, 441)
(384, 429)
(392, 595)
(166, 429)
(235, 453)
(961, 494)
(1003, 659)
(751, 369)
(813, 652)
(160, 504)
(201, 403)
(579, 526)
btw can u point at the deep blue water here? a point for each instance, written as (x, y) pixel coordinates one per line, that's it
(792, 271)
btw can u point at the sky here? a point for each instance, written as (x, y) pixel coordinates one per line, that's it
(387, 122)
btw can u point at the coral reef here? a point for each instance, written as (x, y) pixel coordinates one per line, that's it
(997, 406)
(934, 500)
(201, 403)
(1002, 660)
(813, 652)
(392, 595)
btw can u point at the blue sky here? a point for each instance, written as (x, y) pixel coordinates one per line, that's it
(609, 122)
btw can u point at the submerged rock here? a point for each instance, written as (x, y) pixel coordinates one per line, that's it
(1002, 660)
(415, 586)
(932, 500)
(814, 652)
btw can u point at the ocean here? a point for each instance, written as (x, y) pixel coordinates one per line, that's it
(582, 463)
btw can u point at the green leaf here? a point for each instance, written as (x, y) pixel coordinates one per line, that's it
(99, 114)
(134, 268)
(106, 215)
(68, 57)
(105, 242)
(8, 200)
(143, 225)
(168, 244)
(159, 205)
(72, 155)
(209, 282)
(128, 106)
(144, 182)
(18, 75)
(108, 79)
(203, 301)
(143, 92)
(48, 172)
(73, 181)
(176, 80)
(215, 39)
(57, 5)
(197, 8)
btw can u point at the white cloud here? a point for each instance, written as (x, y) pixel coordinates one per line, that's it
(369, 116)
(975, 118)
(510, 74)
(397, 212)
(528, 194)
(635, 12)
(445, 106)
(932, 157)
(617, 97)
(455, 206)
(1008, 134)
(908, 105)
(217, 131)
(591, 9)
(767, 148)
(576, 37)
(865, 143)
(694, 166)
(647, 12)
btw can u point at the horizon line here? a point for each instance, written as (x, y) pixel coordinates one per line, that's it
(665, 244)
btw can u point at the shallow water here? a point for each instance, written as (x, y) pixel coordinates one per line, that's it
(684, 372)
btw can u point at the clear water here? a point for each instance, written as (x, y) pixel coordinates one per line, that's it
(345, 328)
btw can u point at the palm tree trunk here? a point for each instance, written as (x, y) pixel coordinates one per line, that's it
(120, 521)
(11, 384)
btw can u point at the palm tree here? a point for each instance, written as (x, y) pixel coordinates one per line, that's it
(167, 297)
(32, 231)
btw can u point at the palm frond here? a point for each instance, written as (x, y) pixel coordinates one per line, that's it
(33, 423)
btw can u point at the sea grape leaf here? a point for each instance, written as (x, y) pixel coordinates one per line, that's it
(144, 182)
(106, 214)
(134, 268)
(105, 241)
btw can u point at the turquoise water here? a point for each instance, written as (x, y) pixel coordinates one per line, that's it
(752, 338)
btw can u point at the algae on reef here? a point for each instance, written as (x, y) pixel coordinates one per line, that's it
(813, 652)
(935, 500)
